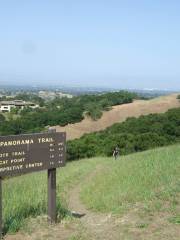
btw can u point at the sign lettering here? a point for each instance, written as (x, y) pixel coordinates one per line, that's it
(31, 152)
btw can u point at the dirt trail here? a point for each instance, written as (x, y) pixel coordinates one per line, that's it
(97, 225)
(91, 225)
(130, 225)
(119, 114)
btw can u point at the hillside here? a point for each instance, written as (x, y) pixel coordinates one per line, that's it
(61, 111)
(132, 135)
(136, 197)
(119, 114)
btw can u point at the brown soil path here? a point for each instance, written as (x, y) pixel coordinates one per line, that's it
(119, 114)
(130, 226)
(91, 226)
(97, 225)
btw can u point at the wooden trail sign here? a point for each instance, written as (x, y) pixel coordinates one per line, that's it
(33, 152)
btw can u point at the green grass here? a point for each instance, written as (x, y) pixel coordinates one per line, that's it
(26, 196)
(150, 179)
(175, 220)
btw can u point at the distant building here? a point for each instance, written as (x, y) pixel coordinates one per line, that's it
(50, 95)
(6, 106)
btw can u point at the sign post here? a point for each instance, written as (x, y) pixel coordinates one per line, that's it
(28, 153)
(52, 195)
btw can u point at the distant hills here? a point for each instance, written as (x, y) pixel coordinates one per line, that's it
(119, 114)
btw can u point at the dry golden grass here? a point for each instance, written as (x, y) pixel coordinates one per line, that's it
(119, 114)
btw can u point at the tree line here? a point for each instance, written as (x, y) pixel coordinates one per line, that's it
(133, 135)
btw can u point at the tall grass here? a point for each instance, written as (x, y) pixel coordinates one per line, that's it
(149, 177)
(115, 186)
(26, 196)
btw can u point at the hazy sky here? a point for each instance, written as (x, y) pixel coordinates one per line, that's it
(114, 43)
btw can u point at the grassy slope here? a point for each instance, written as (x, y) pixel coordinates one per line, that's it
(26, 195)
(149, 178)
